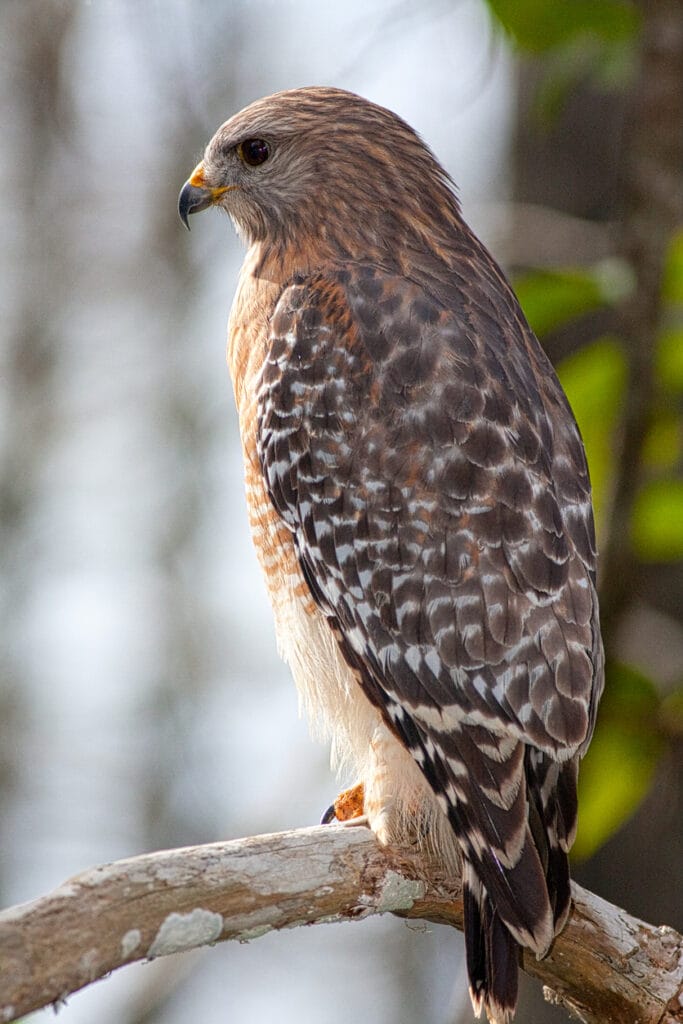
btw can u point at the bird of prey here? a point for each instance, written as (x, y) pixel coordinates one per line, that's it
(420, 503)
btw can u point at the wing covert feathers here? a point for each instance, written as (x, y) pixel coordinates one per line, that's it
(415, 440)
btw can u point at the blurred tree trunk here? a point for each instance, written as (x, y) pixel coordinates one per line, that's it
(35, 127)
(623, 162)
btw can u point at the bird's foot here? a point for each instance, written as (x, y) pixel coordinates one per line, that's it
(348, 808)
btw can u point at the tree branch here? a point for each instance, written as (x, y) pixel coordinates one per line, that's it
(605, 967)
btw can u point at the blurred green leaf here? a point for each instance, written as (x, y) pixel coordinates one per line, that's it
(550, 298)
(594, 380)
(618, 769)
(584, 58)
(670, 360)
(664, 444)
(537, 25)
(672, 290)
(657, 525)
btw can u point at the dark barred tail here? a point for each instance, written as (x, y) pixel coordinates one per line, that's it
(492, 954)
(524, 902)
(553, 807)
(514, 828)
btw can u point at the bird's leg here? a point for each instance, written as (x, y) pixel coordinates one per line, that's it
(349, 807)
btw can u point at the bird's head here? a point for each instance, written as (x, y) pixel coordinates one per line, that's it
(323, 164)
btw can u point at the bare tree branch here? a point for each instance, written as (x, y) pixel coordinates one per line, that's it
(605, 967)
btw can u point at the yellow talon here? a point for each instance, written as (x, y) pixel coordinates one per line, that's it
(350, 803)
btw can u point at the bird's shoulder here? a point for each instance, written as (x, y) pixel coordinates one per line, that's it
(391, 334)
(454, 375)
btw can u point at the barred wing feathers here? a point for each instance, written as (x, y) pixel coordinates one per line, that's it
(418, 445)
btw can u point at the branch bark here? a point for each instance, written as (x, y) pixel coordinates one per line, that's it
(605, 967)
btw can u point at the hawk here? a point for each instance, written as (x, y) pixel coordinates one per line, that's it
(420, 503)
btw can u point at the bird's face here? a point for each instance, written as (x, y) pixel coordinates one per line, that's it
(251, 171)
(320, 165)
(262, 167)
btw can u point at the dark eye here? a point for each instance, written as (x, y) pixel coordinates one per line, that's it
(254, 151)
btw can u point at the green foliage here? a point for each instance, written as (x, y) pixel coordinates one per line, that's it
(673, 271)
(657, 526)
(587, 39)
(594, 380)
(657, 515)
(663, 447)
(621, 760)
(670, 360)
(586, 58)
(537, 25)
(670, 349)
(550, 298)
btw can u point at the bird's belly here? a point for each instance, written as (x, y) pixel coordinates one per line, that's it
(399, 803)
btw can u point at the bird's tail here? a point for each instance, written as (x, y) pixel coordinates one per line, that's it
(492, 954)
(525, 904)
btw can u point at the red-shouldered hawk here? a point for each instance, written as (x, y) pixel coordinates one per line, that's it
(420, 503)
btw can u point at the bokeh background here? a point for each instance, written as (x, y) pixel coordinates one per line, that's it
(142, 703)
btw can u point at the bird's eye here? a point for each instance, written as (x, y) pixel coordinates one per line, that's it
(254, 151)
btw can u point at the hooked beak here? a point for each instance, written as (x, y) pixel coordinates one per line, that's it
(195, 196)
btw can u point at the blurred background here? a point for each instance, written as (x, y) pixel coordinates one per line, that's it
(142, 702)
